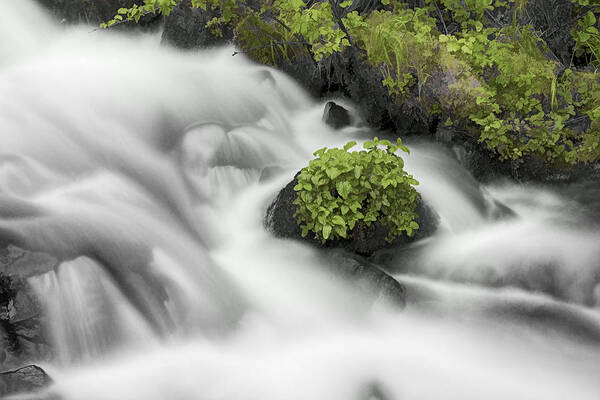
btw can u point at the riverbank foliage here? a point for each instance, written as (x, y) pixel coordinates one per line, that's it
(341, 189)
(504, 84)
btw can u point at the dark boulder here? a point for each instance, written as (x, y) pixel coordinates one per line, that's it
(22, 337)
(185, 28)
(23, 380)
(336, 116)
(365, 239)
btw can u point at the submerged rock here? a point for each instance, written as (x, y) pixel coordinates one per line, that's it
(365, 240)
(367, 278)
(30, 378)
(336, 116)
(375, 390)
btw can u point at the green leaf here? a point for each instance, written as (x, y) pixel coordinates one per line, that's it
(332, 172)
(341, 231)
(338, 220)
(589, 19)
(344, 188)
(320, 152)
(351, 144)
(304, 230)
(358, 171)
(326, 231)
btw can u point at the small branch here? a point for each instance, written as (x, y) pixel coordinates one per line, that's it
(334, 10)
(123, 21)
(283, 24)
(441, 18)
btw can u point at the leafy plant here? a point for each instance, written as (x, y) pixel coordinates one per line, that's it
(341, 190)
(401, 43)
(587, 37)
(525, 102)
(503, 85)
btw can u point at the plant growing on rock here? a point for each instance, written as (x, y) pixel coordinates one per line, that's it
(402, 44)
(341, 190)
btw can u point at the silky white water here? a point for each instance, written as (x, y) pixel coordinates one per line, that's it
(149, 171)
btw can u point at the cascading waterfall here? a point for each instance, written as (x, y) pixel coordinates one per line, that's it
(148, 172)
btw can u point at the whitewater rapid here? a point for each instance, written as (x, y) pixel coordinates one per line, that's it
(148, 171)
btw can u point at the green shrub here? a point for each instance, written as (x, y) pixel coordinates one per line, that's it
(340, 190)
(525, 102)
(502, 84)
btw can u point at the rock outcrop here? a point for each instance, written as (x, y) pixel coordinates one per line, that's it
(22, 335)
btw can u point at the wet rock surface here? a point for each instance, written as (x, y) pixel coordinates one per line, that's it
(367, 278)
(336, 116)
(30, 378)
(486, 167)
(22, 335)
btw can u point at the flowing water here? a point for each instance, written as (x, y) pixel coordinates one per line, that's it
(149, 171)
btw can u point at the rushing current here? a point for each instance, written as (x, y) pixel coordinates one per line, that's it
(149, 171)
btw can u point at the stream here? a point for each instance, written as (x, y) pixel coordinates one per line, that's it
(149, 171)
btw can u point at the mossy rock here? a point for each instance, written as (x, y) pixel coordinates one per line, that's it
(363, 239)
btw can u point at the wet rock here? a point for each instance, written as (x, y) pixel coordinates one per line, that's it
(94, 12)
(485, 166)
(367, 278)
(500, 211)
(185, 28)
(30, 378)
(268, 173)
(365, 239)
(336, 116)
(585, 195)
(22, 337)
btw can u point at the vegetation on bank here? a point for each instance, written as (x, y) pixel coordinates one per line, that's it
(341, 189)
(504, 84)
